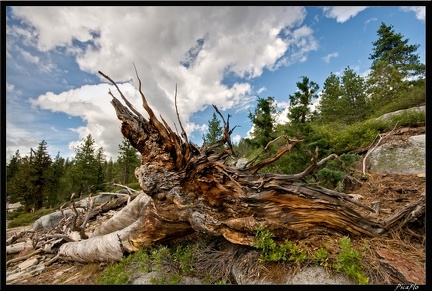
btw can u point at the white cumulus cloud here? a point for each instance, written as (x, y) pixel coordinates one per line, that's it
(195, 48)
(420, 11)
(342, 13)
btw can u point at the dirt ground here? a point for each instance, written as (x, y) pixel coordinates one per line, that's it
(402, 252)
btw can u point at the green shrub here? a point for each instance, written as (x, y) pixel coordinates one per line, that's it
(321, 257)
(169, 279)
(182, 255)
(177, 259)
(330, 178)
(293, 252)
(354, 136)
(159, 256)
(349, 262)
(413, 97)
(120, 273)
(115, 274)
(223, 282)
(409, 118)
(268, 247)
(11, 215)
(273, 252)
(334, 173)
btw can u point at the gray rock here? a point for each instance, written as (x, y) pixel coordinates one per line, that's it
(400, 158)
(12, 206)
(52, 220)
(317, 275)
(390, 114)
(146, 279)
(418, 140)
(97, 200)
(241, 163)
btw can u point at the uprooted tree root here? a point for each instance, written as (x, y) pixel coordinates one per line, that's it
(188, 189)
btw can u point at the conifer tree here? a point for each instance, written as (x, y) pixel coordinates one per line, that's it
(127, 161)
(300, 101)
(12, 171)
(343, 98)
(214, 131)
(24, 187)
(84, 171)
(40, 163)
(109, 171)
(329, 106)
(263, 120)
(55, 185)
(392, 49)
(354, 100)
(394, 66)
(100, 160)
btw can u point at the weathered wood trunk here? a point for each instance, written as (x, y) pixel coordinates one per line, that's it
(191, 189)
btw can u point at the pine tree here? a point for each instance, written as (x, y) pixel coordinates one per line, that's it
(214, 131)
(343, 98)
(99, 184)
(329, 105)
(109, 171)
(300, 101)
(263, 120)
(394, 51)
(55, 178)
(354, 97)
(40, 162)
(28, 177)
(23, 182)
(127, 161)
(68, 179)
(12, 171)
(84, 171)
(395, 66)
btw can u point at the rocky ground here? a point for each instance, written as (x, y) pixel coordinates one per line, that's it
(401, 254)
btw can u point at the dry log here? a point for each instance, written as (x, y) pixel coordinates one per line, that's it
(190, 189)
(18, 247)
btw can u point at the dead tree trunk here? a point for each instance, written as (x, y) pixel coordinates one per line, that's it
(191, 189)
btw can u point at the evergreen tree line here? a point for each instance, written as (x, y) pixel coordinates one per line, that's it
(38, 180)
(396, 79)
(343, 118)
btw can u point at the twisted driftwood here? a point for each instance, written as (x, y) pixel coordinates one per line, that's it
(186, 189)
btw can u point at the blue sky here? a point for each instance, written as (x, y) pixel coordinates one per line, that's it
(222, 55)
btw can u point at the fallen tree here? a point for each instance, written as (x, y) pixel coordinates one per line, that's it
(187, 189)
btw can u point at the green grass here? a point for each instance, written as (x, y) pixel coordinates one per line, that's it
(121, 272)
(172, 262)
(348, 260)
